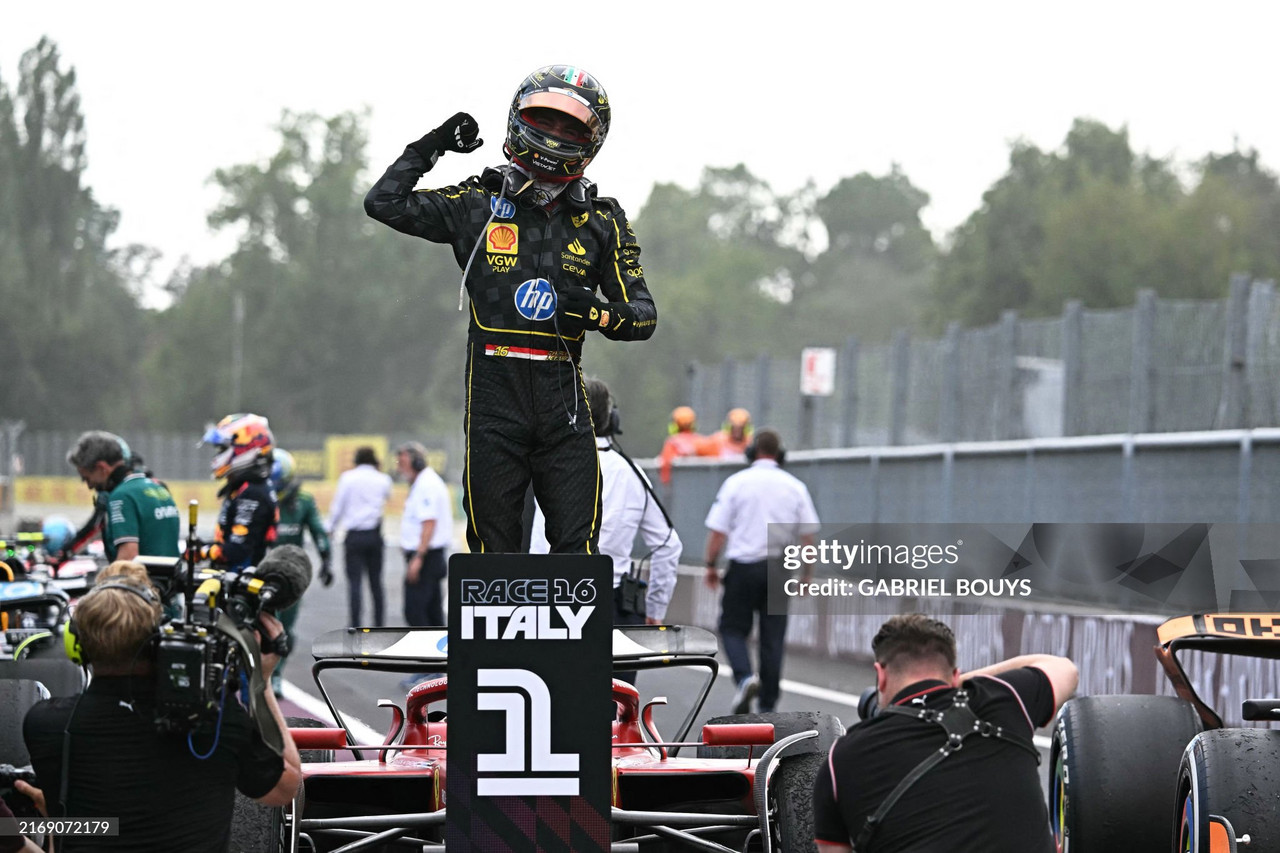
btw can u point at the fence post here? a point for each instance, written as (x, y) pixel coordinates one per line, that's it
(760, 415)
(901, 371)
(1008, 403)
(728, 390)
(949, 404)
(848, 365)
(1072, 391)
(1141, 392)
(1232, 405)
(1262, 403)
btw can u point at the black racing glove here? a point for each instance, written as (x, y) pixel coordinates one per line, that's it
(326, 573)
(459, 133)
(579, 308)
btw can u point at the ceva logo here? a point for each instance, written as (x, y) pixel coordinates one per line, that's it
(536, 299)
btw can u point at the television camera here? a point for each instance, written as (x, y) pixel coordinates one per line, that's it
(202, 654)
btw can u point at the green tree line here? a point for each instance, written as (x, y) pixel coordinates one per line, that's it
(326, 321)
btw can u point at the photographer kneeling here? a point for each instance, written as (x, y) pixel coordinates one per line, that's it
(102, 755)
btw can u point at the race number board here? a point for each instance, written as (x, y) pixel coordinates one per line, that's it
(530, 703)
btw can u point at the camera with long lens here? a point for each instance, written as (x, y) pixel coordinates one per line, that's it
(202, 653)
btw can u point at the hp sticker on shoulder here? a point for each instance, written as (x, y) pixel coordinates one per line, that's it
(536, 299)
(503, 208)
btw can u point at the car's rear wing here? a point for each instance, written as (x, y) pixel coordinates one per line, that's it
(1237, 626)
(1252, 634)
(431, 645)
(410, 650)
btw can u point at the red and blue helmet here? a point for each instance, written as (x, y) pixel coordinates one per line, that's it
(245, 444)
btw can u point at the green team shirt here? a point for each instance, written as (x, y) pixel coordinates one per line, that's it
(141, 510)
(298, 514)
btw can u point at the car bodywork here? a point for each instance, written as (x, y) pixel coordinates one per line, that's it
(662, 796)
(1154, 773)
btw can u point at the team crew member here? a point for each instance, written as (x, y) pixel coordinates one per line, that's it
(358, 504)
(758, 511)
(730, 443)
(248, 516)
(119, 765)
(683, 439)
(984, 796)
(426, 532)
(139, 515)
(630, 507)
(544, 261)
(298, 516)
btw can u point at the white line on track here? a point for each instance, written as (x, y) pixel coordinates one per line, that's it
(360, 731)
(839, 697)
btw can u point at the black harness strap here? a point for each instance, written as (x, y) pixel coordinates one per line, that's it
(959, 722)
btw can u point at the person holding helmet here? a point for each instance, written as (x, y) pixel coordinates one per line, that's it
(138, 515)
(730, 443)
(545, 260)
(298, 515)
(248, 517)
(682, 440)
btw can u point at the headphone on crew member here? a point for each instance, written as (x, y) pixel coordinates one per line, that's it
(598, 398)
(71, 632)
(417, 455)
(751, 453)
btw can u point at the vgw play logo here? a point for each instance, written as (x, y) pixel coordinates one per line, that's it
(536, 299)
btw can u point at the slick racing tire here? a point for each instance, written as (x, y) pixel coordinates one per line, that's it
(1233, 773)
(255, 827)
(790, 803)
(1113, 770)
(784, 723)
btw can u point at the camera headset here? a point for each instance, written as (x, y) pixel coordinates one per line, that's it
(417, 455)
(71, 633)
(751, 453)
(612, 420)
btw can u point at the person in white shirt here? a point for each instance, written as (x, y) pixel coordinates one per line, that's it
(426, 532)
(628, 506)
(757, 512)
(358, 504)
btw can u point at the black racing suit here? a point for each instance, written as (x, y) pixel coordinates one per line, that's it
(527, 419)
(246, 523)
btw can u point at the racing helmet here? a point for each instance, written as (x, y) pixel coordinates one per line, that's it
(682, 419)
(543, 150)
(57, 532)
(282, 468)
(245, 444)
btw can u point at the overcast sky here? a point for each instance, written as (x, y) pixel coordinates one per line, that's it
(798, 90)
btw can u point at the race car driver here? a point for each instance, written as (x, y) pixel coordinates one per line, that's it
(545, 260)
(249, 514)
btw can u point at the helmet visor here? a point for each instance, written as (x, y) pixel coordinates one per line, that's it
(565, 102)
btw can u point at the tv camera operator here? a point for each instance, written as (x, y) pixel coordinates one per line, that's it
(159, 738)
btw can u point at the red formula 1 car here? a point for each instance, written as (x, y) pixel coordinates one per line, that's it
(745, 784)
(1161, 773)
